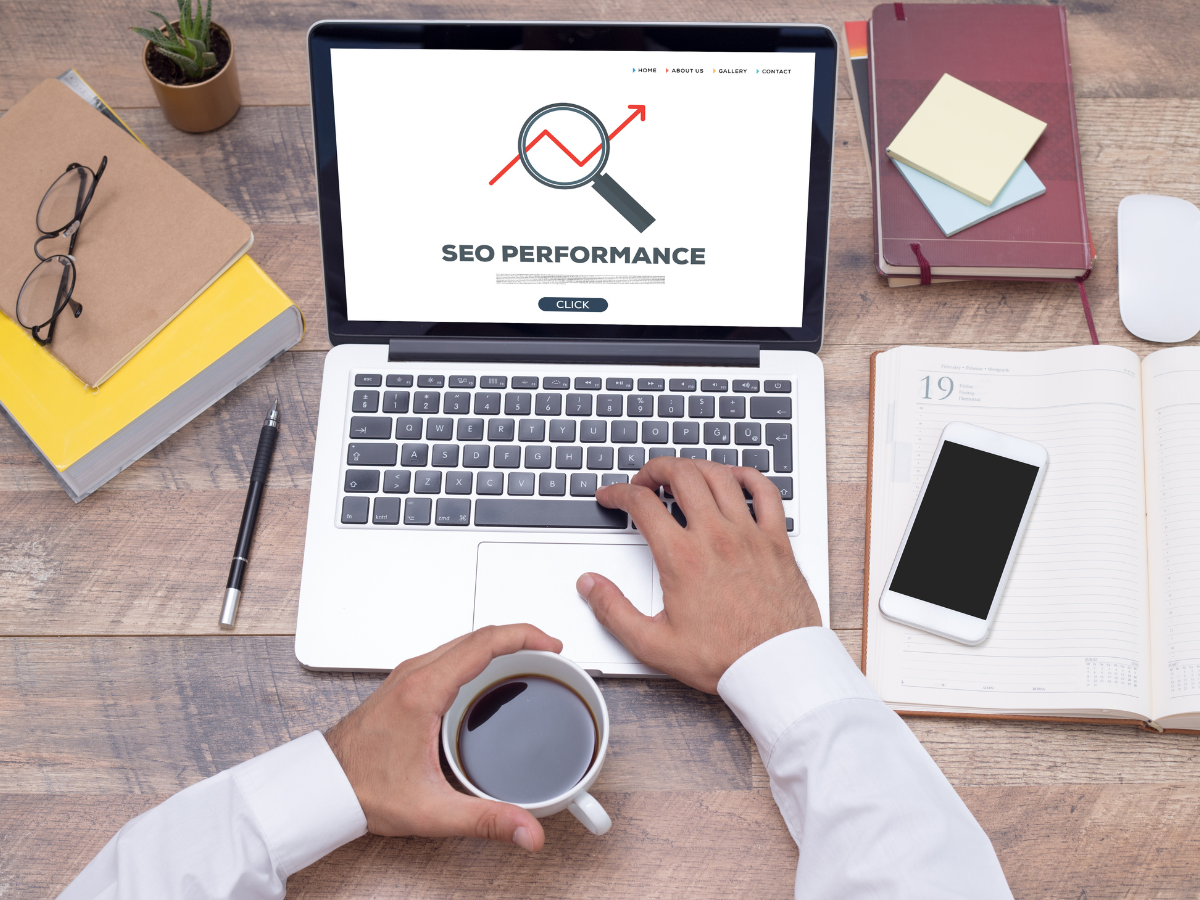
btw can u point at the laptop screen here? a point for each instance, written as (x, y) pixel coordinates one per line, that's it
(647, 191)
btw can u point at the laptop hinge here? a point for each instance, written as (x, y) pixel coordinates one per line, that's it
(658, 353)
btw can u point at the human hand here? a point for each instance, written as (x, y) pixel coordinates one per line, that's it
(388, 746)
(729, 583)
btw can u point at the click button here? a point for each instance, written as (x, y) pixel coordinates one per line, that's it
(573, 304)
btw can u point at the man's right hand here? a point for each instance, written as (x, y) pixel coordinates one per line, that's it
(729, 583)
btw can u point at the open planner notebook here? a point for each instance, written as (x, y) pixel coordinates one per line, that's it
(1101, 615)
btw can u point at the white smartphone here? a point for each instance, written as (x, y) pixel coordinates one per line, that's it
(963, 536)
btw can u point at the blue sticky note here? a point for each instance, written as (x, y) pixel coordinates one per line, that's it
(955, 211)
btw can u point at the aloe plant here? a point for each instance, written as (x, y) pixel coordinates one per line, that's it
(186, 44)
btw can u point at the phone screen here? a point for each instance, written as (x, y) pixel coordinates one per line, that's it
(964, 530)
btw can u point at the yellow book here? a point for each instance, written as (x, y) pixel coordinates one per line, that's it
(966, 139)
(86, 435)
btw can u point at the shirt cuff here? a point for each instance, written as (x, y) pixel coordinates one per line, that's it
(782, 680)
(302, 800)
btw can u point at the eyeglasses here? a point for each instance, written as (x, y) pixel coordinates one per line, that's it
(47, 291)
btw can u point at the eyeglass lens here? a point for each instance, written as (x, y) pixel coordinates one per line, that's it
(61, 203)
(45, 291)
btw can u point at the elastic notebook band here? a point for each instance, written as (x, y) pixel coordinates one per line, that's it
(1087, 309)
(899, 11)
(926, 269)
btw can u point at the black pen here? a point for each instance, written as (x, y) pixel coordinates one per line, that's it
(258, 478)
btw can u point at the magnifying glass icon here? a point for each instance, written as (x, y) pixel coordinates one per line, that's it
(570, 124)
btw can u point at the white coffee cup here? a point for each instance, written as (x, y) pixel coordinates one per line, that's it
(538, 662)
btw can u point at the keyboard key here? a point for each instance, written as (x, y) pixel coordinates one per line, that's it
(756, 459)
(475, 456)
(683, 384)
(527, 382)
(395, 401)
(507, 458)
(501, 429)
(556, 384)
(399, 381)
(562, 429)
(583, 484)
(370, 427)
(693, 453)
(631, 457)
(652, 384)
(458, 483)
(654, 432)
(670, 406)
(677, 514)
(428, 482)
(387, 511)
(779, 435)
(685, 432)
(439, 430)
(770, 407)
(725, 457)
(789, 523)
(365, 402)
(606, 480)
(568, 457)
(453, 512)
(487, 403)
(431, 381)
(587, 384)
(537, 457)
(624, 432)
(784, 484)
(489, 483)
(417, 510)
(396, 481)
(362, 481)
(498, 382)
(470, 430)
(368, 381)
(457, 402)
(355, 510)
(462, 381)
(519, 484)
(656, 452)
(426, 401)
(548, 404)
(702, 407)
(552, 484)
(777, 387)
(618, 384)
(716, 433)
(599, 457)
(716, 385)
(641, 405)
(445, 455)
(579, 404)
(548, 514)
(531, 430)
(414, 455)
(609, 405)
(745, 386)
(733, 407)
(371, 455)
(518, 404)
(593, 431)
(409, 429)
(747, 433)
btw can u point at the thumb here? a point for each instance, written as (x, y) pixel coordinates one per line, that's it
(495, 821)
(613, 610)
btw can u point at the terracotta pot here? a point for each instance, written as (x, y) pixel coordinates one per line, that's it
(202, 106)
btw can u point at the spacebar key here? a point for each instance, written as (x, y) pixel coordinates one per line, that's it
(547, 514)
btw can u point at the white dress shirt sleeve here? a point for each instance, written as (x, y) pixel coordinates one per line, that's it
(238, 834)
(871, 812)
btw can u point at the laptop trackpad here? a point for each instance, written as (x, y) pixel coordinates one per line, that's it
(536, 583)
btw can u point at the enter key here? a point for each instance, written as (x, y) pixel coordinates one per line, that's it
(779, 436)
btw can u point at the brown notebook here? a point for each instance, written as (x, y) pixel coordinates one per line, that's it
(1100, 618)
(150, 242)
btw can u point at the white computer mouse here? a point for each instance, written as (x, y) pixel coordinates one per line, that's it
(1158, 242)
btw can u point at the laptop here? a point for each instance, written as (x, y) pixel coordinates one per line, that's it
(552, 252)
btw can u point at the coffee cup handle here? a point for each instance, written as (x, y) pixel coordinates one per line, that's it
(588, 811)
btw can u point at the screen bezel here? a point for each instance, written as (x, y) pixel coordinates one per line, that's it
(717, 37)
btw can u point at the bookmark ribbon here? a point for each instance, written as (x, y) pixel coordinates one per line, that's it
(899, 12)
(926, 269)
(1087, 309)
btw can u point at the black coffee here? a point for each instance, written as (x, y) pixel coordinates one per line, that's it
(527, 739)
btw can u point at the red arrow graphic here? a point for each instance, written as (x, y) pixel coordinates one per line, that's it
(638, 111)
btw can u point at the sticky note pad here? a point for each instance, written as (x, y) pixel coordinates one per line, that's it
(953, 210)
(966, 139)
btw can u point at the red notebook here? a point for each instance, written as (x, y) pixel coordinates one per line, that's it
(1018, 54)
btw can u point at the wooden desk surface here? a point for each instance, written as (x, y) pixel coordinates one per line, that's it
(116, 689)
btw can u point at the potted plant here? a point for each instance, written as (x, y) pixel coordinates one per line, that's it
(192, 69)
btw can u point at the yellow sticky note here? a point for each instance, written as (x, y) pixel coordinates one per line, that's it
(966, 139)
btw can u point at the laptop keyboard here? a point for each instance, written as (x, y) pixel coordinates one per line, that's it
(524, 451)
